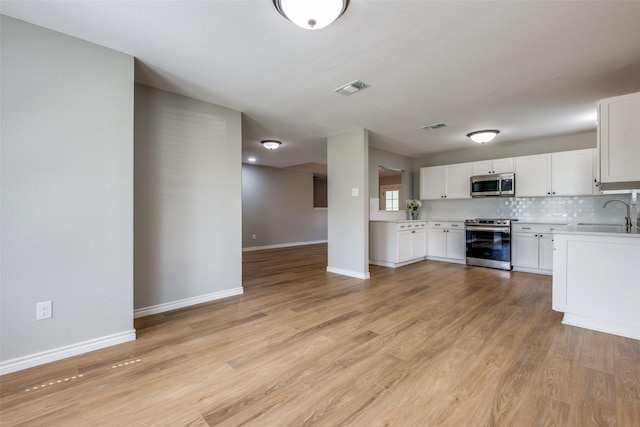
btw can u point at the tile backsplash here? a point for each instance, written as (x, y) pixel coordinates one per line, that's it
(545, 209)
(561, 209)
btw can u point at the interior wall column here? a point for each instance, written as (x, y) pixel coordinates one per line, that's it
(348, 196)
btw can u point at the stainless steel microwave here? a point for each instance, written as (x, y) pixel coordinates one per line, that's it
(498, 184)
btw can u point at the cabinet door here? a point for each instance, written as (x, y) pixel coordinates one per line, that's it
(404, 245)
(572, 173)
(619, 138)
(524, 250)
(486, 167)
(431, 182)
(457, 183)
(436, 243)
(545, 251)
(419, 244)
(456, 244)
(533, 175)
(481, 168)
(502, 165)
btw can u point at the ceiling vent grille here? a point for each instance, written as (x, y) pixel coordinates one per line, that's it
(434, 126)
(351, 88)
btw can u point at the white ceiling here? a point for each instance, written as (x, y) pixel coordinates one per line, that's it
(531, 69)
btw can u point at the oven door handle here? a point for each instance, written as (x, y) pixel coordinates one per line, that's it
(495, 230)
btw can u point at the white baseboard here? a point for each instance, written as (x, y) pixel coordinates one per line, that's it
(356, 274)
(283, 245)
(394, 264)
(36, 359)
(174, 305)
(629, 330)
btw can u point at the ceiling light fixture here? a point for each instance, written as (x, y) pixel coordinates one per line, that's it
(482, 136)
(270, 144)
(311, 14)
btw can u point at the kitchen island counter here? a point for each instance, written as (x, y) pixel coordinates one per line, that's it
(596, 278)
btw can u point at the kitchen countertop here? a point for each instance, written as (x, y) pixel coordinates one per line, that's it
(541, 222)
(397, 220)
(599, 230)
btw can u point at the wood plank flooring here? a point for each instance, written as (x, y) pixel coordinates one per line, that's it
(429, 344)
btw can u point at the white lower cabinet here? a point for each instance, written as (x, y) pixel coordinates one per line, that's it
(446, 241)
(532, 247)
(596, 281)
(393, 244)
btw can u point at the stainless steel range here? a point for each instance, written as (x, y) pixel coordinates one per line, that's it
(489, 242)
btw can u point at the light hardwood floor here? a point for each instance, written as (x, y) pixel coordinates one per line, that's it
(430, 344)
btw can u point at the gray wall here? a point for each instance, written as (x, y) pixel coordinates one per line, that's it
(348, 221)
(390, 160)
(187, 201)
(277, 206)
(67, 194)
(509, 149)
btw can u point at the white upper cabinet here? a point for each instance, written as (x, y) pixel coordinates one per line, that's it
(487, 167)
(567, 173)
(533, 175)
(572, 172)
(457, 181)
(619, 142)
(431, 182)
(445, 182)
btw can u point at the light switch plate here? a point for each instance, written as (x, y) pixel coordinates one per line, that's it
(355, 192)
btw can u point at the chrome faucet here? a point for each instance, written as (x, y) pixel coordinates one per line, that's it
(627, 219)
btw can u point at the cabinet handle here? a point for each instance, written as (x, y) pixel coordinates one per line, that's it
(526, 228)
(454, 225)
(548, 192)
(553, 192)
(413, 231)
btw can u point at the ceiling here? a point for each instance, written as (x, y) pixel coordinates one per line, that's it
(531, 69)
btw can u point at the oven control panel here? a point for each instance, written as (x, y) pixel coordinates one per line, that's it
(482, 221)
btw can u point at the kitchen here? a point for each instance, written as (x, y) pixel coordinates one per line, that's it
(526, 212)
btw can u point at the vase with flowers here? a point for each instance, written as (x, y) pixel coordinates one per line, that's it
(413, 206)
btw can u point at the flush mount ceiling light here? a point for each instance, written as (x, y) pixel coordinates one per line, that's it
(351, 88)
(270, 144)
(311, 14)
(482, 136)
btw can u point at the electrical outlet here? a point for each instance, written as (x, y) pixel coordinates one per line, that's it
(253, 237)
(43, 310)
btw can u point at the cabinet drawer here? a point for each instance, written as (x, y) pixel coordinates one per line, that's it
(535, 228)
(403, 226)
(446, 225)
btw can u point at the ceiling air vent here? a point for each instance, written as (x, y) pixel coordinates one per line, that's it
(434, 126)
(351, 88)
